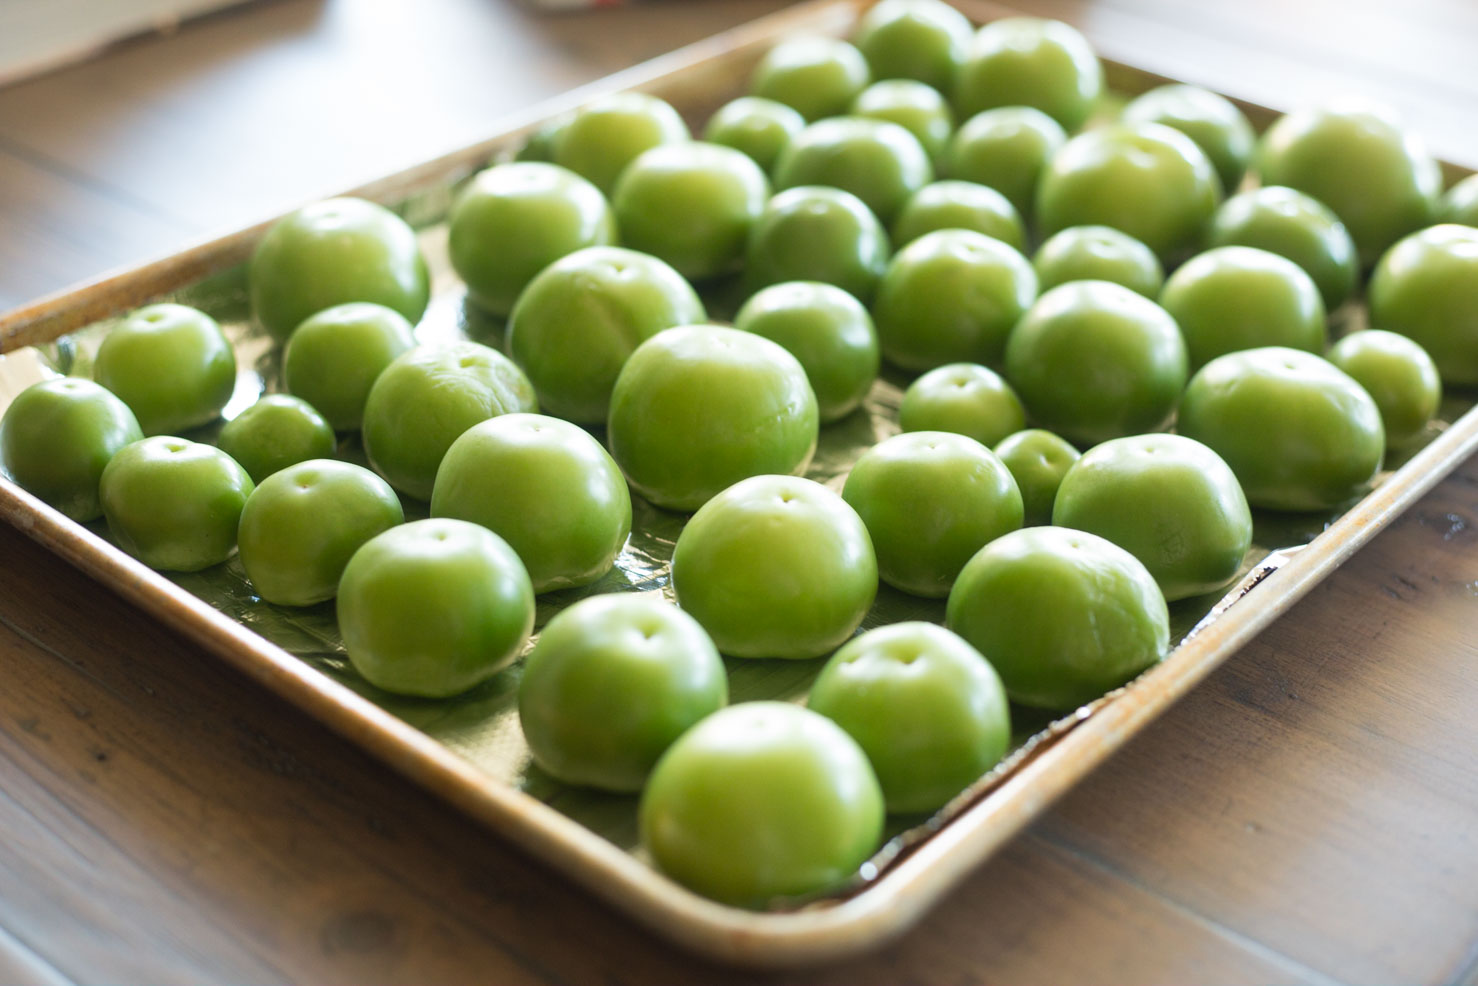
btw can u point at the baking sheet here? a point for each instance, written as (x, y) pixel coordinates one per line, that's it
(471, 748)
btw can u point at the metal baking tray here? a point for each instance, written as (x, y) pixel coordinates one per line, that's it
(470, 749)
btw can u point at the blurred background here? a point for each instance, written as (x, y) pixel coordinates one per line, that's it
(250, 109)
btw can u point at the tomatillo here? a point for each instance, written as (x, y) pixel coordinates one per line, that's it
(1359, 161)
(1148, 180)
(691, 205)
(546, 487)
(171, 364)
(1065, 616)
(1030, 61)
(1426, 287)
(580, 318)
(814, 233)
(1093, 361)
(879, 162)
(1399, 376)
(1291, 224)
(58, 436)
(1296, 430)
(776, 566)
(762, 800)
(828, 331)
(334, 252)
(427, 398)
(1234, 298)
(611, 683)
(964, 398)
(515, 219)
(604, 136)
(698, 408)
(333, 359)
(951, 296)
(930, 500)
(1169, 501)
(434, 607)
(816, 76)
(302, 524)
(274, 433)
(926, 707)
(174, 504)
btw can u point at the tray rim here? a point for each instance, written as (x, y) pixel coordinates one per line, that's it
(908, 888)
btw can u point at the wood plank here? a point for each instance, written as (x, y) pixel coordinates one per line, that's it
(1260, 801)
(248, 114)
(55, 229)
(168, 821)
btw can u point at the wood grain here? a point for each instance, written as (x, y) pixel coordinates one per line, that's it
(1307, 815)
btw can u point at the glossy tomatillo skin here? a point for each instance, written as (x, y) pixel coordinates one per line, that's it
(1007, 149)
(1038, 460)
(1296, 430)
(1460, 203)
(924, 40)
(612, 681)
(515, 219)
(1211, 120)
(692, 205)
(434, 607)
(1030, 61)
(578, 321)
(1399, 376)
(274, 433)
(926, 707)
(1169, 501)
(427, 398)
(816, 76)
(1426, 287)
(1234, 298)
(776, 566)
(603, 137)
(698, 408)
(334, 358)
(815, 233)
(1098, 253)
(174, 504)
(879, 162)
(828, 331)
(301, 526)
(58, 436)
(916, 107)
(930, 500)
(951, 296)
(964, 398)
(958, 205)
(1065, 615)
(171, 364)
(759, 127)
(1147, 180)
(333, 252)
(762, 800)
(1291, 224)
(1358, 160)
(547, 488)
(1093, 361)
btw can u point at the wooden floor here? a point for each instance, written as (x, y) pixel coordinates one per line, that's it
(1308, 815)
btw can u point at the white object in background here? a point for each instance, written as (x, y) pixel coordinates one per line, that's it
(37, 35)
